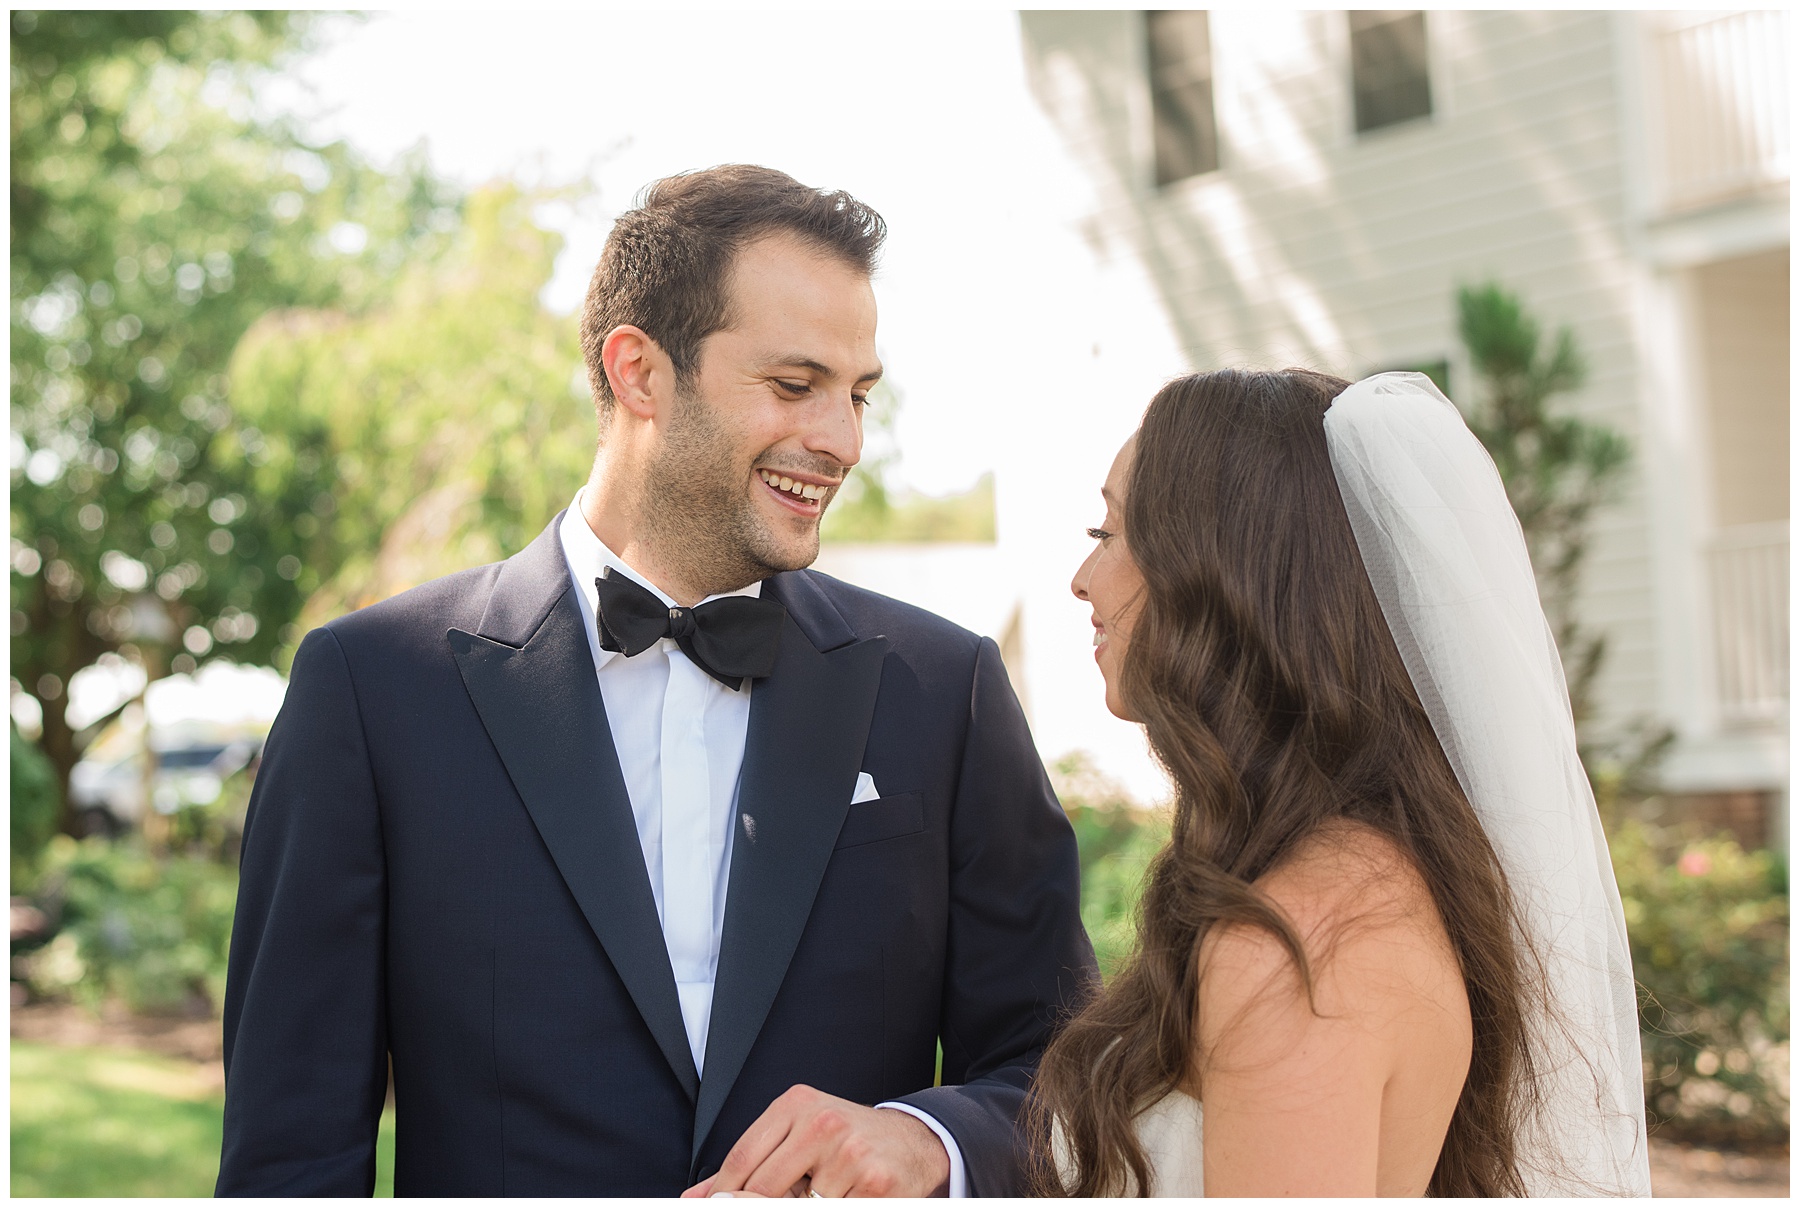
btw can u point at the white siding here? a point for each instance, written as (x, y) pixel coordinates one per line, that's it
(1313, 246)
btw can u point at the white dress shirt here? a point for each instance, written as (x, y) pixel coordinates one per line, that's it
(680, 738)
(680, 735)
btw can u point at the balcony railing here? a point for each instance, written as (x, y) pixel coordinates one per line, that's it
(1724, 106)
(1750, 622)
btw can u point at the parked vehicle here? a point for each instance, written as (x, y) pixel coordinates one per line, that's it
(112, 786)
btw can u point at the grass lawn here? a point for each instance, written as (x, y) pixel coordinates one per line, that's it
(103, 1121)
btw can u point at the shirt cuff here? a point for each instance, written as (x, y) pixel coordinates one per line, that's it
(958, 1186)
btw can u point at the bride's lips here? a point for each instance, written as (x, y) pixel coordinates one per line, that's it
(802, 494)
(1099, 637)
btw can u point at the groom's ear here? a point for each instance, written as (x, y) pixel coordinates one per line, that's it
(638, 370)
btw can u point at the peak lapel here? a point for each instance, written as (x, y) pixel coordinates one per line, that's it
(530, 673)
(809, 722)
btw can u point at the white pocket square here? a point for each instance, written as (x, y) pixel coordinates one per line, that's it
(865, 789)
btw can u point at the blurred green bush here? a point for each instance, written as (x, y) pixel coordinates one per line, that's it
(1116, 841)
(151, 932)
(1709, 943)
(35, 804)
(1116, 847)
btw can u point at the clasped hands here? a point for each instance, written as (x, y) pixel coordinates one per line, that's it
(809, 1142)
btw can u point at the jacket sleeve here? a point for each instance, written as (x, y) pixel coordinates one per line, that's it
(305, 1009)
(1018, 956)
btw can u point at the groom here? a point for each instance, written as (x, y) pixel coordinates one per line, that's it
(649, 859)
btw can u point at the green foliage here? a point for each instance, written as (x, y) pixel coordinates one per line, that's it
(456, 414)
(152, 933)
(111, 1122)
(152, 222)
(1116, 844)
(1709, 945)
(1557, 469)
(36, 802)
(213, 830)
(1116, 850)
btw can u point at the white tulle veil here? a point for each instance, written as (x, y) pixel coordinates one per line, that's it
(1447, 560)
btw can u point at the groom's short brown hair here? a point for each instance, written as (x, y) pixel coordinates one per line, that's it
(665, 265)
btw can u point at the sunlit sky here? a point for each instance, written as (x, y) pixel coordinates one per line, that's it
(926, 116)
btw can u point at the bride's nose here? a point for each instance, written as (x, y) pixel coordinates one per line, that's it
(1079, 583)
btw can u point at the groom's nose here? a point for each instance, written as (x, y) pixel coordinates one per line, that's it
(835, 430)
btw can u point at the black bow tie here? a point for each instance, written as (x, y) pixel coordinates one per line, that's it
(732, 640)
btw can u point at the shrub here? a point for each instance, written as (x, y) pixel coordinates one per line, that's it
(34, 805)
(1116, 842)
(152, 933)
(1709, 937)
(1112, 878)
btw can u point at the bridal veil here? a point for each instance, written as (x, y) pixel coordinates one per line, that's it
(1448, 563)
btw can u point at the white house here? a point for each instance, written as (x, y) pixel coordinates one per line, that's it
(1274, 188)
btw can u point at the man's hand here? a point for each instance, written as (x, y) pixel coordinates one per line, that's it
(810, 1140)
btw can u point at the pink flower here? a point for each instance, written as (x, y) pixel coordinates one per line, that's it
(1694, 864)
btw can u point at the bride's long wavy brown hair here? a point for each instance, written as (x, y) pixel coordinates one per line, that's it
(1273, 693)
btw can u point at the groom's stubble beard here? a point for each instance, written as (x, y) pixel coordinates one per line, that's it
(696, 508)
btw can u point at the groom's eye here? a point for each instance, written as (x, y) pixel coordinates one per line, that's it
(793, 387)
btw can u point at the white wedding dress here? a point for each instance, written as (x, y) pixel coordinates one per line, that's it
(1169, 1131)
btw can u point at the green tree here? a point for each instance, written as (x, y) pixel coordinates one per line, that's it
(153, 219)
(457, 414)
(1557, 468)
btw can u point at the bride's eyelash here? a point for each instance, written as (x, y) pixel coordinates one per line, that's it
(1098, 534)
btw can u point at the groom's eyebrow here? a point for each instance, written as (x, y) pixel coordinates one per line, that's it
(819, 367)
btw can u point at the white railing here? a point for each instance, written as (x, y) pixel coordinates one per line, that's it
(1724, 102)
(1749, 566)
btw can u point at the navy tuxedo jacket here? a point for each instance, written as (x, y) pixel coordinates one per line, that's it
(441, 867)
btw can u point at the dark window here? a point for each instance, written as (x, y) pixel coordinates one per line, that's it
(1389, 69)
(1181, 95)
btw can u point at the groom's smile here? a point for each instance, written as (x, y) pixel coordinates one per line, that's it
(805, 496)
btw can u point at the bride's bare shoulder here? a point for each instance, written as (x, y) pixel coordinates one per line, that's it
(1375, 944)
(1347, 877)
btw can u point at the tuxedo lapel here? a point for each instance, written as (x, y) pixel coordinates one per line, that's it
(530, 672)
(809, 722)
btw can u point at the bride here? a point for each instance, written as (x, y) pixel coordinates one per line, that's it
(1383, 946)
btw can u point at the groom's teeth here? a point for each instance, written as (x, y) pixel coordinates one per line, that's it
(782, 482)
